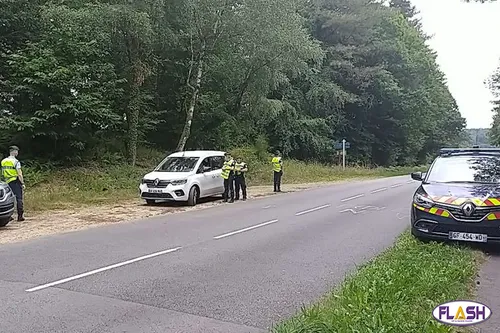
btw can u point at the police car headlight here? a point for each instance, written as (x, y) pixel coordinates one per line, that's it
(179, 182)
(423, 201)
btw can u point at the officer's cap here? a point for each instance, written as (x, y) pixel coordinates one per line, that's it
(12, 148)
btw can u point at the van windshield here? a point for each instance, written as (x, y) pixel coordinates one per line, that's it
(178, 164)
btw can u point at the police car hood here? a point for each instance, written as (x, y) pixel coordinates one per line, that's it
(167, 175)
(443, 192)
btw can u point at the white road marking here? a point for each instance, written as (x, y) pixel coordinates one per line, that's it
(352, 198)
(312, 210)
(349, 210)
(379, 190)
(396, 185)
(400, 217)
(79, 276)
(361, 209)
(410, 181)
(266, 207)
(245, 229)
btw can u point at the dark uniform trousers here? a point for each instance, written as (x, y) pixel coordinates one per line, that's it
(17, 189)
(277, 181)
(240, 183)
(229, 187)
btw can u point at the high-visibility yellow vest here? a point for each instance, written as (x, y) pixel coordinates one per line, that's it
(276, 164)
(9, 171)
(238, 167)
(227, 167)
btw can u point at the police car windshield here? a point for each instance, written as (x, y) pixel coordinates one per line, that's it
(178, 164)
(466, 169)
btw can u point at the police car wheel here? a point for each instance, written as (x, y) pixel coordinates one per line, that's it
(193, 196)
(150, 201)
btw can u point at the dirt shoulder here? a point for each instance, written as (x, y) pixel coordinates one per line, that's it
(66, 220)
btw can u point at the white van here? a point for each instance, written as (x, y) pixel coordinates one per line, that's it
(185, 176)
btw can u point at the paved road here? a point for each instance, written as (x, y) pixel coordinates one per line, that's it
(232, 268)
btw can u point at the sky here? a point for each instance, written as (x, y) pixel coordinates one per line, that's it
(466, 37)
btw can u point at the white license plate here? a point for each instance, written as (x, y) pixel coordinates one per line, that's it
(153, 190)
(465, 236)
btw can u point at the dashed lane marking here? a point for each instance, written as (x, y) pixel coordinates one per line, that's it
(396, 185)
(312, 210)
(102, 269)
(379, 190)
(353, 197)
(245, 229)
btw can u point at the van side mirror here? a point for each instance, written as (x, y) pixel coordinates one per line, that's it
(417, 176)
(206, 168)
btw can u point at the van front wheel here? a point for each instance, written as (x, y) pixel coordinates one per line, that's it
(4, 222)
(194, 195)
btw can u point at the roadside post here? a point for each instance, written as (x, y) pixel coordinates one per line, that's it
(344, 145)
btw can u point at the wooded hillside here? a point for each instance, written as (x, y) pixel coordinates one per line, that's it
(91, 80)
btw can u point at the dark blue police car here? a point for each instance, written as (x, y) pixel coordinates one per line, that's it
(459, 197)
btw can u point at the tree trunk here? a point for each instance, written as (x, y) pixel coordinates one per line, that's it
(186, 131)
(133, 124)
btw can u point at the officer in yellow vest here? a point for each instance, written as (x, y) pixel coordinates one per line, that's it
(241, 169)
(13, 175)
(228, 176)
(277, 170)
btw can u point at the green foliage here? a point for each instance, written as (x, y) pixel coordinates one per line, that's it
(84, 81)
(494, 132)
(396, 292)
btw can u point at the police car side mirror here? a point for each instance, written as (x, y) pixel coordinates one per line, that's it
(206, 168)
(417, 176)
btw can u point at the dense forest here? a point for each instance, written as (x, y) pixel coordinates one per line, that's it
(80, 80)
(494, 84)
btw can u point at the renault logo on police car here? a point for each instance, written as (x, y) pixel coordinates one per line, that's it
(156, 182)
(468, 209)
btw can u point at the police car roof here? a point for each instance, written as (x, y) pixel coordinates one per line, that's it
(197, 153)
(475, 150)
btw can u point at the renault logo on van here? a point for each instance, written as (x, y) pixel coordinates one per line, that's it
(468, 209)
(156, 182)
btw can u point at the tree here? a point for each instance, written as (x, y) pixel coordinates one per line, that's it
(105, 78)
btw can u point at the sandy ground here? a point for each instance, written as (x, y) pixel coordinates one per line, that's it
(60, 221)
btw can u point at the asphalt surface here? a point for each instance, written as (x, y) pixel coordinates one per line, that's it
(234, 268)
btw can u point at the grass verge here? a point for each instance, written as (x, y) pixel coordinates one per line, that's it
(97, 184)
(395, 292)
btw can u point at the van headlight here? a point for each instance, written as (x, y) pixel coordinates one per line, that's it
(179, 182)
(423, 201)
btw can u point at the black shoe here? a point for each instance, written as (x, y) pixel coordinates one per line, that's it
(231, 201)
(244, 199)
(20, 219)
(225, 200)
(236, 199)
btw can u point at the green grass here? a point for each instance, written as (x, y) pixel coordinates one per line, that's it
(95, 184)
(396, 292)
